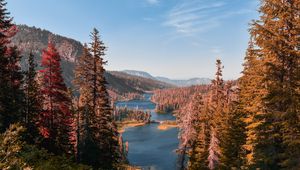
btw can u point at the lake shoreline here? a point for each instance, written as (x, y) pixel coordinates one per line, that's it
(122, 126)
(148, 145)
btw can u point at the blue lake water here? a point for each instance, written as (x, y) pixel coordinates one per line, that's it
(148, 146)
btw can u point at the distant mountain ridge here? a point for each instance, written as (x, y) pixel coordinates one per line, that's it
(137, 84)
(32, 39)
(139, 73)
(179, 83)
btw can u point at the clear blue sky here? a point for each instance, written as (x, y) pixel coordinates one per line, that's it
(173, 38)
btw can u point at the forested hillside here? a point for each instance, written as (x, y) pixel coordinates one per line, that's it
(32, 39)
(123, 82)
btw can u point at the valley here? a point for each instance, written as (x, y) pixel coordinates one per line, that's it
(150, 85)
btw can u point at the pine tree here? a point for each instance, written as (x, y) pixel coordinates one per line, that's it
(217, 103)
(214, 150)
(199, 146)
(186, 134)
(273, 131)
(55, 120)
(10, 73)
(87, 151)
(75, 129)
(100, 137)
(204, 125)
(233, 136)
(33, 101)
(250, 99)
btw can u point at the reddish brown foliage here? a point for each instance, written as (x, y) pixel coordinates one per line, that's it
(55, 119)
(173, 99)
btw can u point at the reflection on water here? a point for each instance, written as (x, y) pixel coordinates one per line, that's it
(149, 146)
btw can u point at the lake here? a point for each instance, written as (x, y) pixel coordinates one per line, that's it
(148, 146)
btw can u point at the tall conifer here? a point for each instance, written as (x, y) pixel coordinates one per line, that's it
(274, 129)
(11, 95)
(55, 120)
(217, 103)
(100, 137)
(33, 100)
(233, 137)
(199, 144)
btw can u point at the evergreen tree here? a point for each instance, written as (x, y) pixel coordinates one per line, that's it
(214, 150)
(11, 146)
(10, 73)
(250, 96)
(274, 129)
(33, 101)
(233, 136)
(186, 134)
(216, 104)
(205, 125)
(198, 153)
(55, 120)
(100, 137)
(75, 129)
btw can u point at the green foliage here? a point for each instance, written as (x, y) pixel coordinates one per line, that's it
(16, 154)
(32, 102)
(40, 159)
(11, 146)
(11, 94)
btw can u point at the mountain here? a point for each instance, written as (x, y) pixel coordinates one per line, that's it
(32, 39)
(139, 73)
(185, 83)
(125, 82)
(179, 83)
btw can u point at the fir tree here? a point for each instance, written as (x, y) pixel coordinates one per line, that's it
(216, 104)
(214, 150)
(55, 120)
(199, 146)
(75, 129)
(100, 137)
(186, 134)
(250, 97)
(10, 73)
(274, 131)
(233, 136)
(33, 101)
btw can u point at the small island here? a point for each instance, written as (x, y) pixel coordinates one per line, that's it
(126, 118)
(166, 125)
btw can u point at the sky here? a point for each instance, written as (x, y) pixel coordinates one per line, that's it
(179, 39)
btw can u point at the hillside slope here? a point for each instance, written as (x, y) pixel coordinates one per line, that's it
(134, 83)
(35, 39)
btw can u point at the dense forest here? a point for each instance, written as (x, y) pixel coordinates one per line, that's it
(169, 100)
(256, 124)
(52, 121)
(43, 125)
